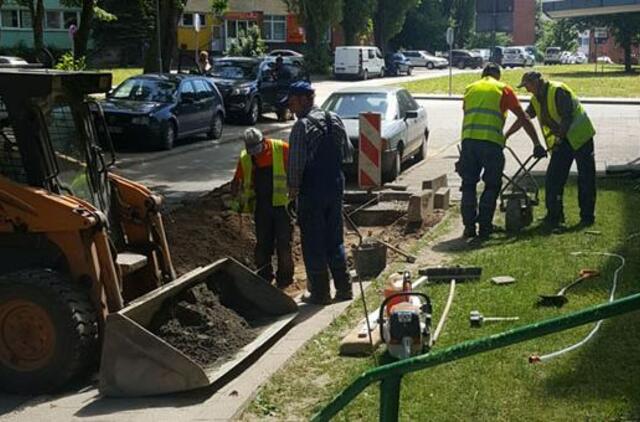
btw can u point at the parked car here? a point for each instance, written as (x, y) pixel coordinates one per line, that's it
(251, 86)
(397, 63)
(567, 57)
(293, 55)
(552, 55)
(517, 56)
(358, 61)
(605, 59)
(16, 63)
(419, 58)
(485, 53)
(158, 109)
(404, 126)
(464, 58)
(581, 58)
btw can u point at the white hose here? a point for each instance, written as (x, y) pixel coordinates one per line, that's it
(445, 312)
(595, 329)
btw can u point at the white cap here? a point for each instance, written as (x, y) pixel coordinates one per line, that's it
(253, 141)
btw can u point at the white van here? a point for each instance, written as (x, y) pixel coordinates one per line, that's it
(359, 61)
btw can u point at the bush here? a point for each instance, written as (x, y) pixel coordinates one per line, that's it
(31, 55)
(249, 44)
(67, 62)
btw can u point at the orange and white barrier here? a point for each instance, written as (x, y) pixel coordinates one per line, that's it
(370, 151)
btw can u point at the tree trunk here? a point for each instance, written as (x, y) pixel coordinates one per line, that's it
(378, 28)
(37, 13)
(1, 1)
(81, 38)
(170, 11)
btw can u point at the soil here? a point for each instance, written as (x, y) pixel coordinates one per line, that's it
(197, 324)
(203, 230)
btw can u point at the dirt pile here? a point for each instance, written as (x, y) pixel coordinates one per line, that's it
(197, 324)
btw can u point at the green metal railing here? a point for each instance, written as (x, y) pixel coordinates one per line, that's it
(390, 375)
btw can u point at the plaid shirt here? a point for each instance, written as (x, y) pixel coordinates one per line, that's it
(305, 138)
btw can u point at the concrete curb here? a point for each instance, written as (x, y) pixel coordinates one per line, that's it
(524, 99)
(127, 163)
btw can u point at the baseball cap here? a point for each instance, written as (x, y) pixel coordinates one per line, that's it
(530, 77)
(253, 141)
(301, 88)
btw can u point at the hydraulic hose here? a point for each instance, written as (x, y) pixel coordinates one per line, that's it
(614, 285)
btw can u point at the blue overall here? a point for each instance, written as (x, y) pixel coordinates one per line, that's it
(320, 217)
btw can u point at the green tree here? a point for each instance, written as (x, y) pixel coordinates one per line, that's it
(356, 15)
(424, 28)
(388, 19)
(625, 27)
(89, 10)
(317, 16)
(462, 14)
(485, 40)
(249, 44)
(170, 13)
(562, 33)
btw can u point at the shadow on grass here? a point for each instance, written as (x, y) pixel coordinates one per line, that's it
(589, 74)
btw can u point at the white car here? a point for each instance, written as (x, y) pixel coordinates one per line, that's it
(293, 55)
(358, 61)
(605, 59)
(420, 58)
(517, 56)
(567, 57)
(404, 126)
(581, 58)
(552, 55)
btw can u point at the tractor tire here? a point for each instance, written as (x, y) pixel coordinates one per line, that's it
(48, 331)
(513, 220)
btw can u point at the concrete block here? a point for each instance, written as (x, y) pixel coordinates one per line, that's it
(358, 196)
(436, 183)
(420, 206)
(441, 199)
(381, 214)
(396, 186)
(395, 196)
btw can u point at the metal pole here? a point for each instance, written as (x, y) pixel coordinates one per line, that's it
(390, 399)
(158, 36)
(450, 70)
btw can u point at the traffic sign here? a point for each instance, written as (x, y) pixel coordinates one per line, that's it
(370, 151)
(449, 36)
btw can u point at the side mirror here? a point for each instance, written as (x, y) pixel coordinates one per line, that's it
(109, 93)
(411, 114)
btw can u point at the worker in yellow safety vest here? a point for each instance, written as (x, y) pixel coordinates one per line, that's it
(260, 187)
(486, 103)
(568, 133)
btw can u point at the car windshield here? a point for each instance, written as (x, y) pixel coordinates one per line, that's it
(235, 70)
(511, 51)
(350, 105)
(146, 89)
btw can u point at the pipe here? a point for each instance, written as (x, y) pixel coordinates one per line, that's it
(445, 313)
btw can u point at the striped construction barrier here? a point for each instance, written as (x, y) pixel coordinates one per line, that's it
(370, 151)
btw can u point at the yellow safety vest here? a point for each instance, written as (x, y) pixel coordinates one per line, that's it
(581, 129)
(280, 194)
(483, 119)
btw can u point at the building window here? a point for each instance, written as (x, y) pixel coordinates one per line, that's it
(233, 27)
(25, 19)
(187, 19)
(274, 28)
(10, 19)
(70, 18)
(53, 20)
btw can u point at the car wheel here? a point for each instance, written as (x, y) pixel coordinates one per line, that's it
(461, 64)
(217, 124)
(430, 65)
(396, 167)
(365, 75)
(422, 151)
(253, 114)
(409, 71)
(168, 136)
(382, 72)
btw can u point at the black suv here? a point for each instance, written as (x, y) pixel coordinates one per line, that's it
(464, 58)
(253, 86)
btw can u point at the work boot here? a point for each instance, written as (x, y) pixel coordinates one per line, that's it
(469, 232)
(343, 295)
(485, 232)
(312, 299)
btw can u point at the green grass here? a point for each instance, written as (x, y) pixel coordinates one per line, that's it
(595, 382)
(614, 82)
(120, 74)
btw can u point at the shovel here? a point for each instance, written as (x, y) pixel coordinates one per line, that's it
(559, 299)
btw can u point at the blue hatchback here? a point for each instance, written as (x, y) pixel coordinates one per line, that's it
(397, 63)
(155, 110)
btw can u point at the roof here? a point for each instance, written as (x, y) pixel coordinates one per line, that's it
(369, 89)
(175, 77)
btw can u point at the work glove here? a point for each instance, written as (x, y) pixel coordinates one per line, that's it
(539, 151)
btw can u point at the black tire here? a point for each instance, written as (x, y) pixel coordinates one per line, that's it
(430, 65)
(395, 169)
(461, 65)
(217, 126)
(168, 136)
(382, 72)
(409, 71)
(513, 220)
(53, 304)
(365, 75)
(252, 116)
(422, 151)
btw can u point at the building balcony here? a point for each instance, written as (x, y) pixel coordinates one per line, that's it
(574, 8)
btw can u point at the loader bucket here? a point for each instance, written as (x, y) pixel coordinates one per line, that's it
(135, 362)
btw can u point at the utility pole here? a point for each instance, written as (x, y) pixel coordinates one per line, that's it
(158, 36)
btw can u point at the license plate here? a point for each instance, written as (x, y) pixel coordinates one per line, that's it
(339, 68)
(115, 129)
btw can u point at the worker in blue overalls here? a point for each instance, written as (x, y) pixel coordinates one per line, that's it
(318, 145)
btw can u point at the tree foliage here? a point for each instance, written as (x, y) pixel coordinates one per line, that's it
(625, 27)
(424, 28)
(388, 19)
(89, 10)
(36, 10)
(317, 17)
(462, 15)
(485, 40)
(561, 33)
(249, 44)
(356, 15)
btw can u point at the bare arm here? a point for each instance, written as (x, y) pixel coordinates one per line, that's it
(523, 122)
